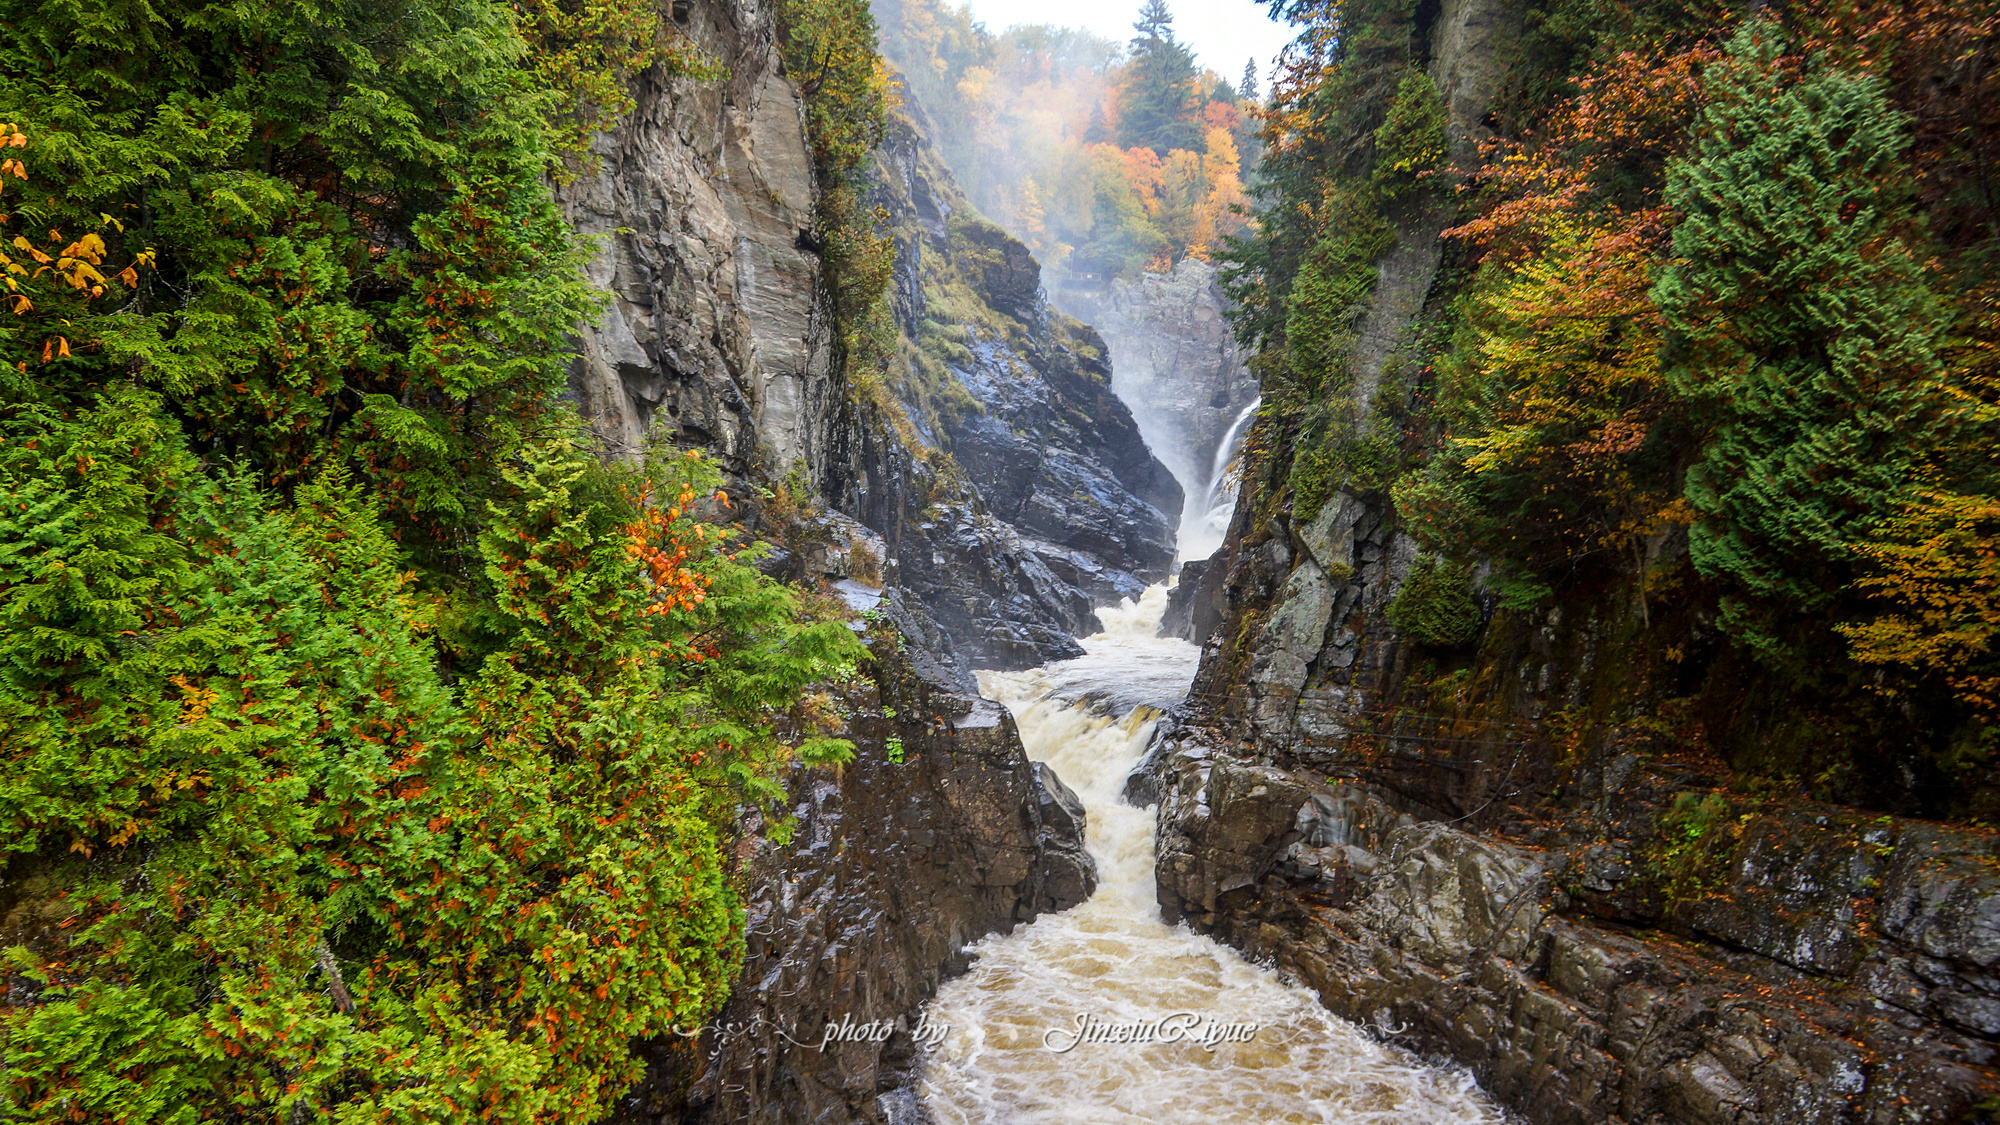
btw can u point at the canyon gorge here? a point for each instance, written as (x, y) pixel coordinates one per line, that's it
(1468, 886)
(1414, 615)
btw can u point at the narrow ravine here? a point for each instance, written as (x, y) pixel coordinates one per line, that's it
(1009, 1053)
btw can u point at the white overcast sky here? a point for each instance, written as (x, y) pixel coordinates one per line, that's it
(1221, 33)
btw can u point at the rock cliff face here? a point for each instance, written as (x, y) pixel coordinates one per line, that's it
(716, 337)
(1046, 501)
(894, 868)
(1594, 924)
(714, 331)
(1176, 362)
(1823, 966)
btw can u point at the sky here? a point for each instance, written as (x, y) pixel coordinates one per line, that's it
(1221, 33)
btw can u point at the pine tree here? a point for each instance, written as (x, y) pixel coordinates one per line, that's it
(1796, 311)
(1248, 90)
(1157, 103)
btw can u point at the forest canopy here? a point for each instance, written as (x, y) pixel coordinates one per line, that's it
(370, 746)
(1713, 339)
(1105, 158)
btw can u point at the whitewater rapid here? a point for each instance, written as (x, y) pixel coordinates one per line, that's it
(1171, 1000)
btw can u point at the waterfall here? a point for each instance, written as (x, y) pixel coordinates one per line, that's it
(1103, 1013)
(1204, 522)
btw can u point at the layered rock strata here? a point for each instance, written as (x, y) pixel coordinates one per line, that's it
(702, 199)
(1833, 967)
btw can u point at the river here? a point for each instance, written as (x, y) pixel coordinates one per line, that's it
(1104, 1014)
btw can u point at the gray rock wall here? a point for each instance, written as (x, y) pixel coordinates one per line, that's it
(1175, 361)
(714, 327)
(1840, 967)
(895, 866)
(1051, 503)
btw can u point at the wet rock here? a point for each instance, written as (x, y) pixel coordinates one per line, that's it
(1291, 641)
(1230, 825)
(895, 866)
(1197, 603)
(1060, 506)
(1066, 872)
(1331, 535)
(1448, 895)
(712, 334)
(1174, 354)
(1453, 942)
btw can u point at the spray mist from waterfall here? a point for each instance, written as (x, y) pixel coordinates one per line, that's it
(1205, 517)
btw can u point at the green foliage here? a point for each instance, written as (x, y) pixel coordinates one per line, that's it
(1335, 455)
(1156, 103)
(1799, 315)
(369, 747)
(829, 49)
(1102, 160)
(343, 247)
(1410, 144)
(1357, 141)
(1692, 850)
(1330, 292)
(1435, 605)
(586, 50)
(371, 885)
(1719, 346)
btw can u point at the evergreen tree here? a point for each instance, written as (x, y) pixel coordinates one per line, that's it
(372, 742)
(1098, 132)
(1155, 22)
(1797, 313)
(1156, 107)
(1248, 90)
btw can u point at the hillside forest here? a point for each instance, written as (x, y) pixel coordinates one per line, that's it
(1105, 158)
(371, 748)
(1712, 356)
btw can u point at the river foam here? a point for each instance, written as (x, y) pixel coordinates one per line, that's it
(1155, 987)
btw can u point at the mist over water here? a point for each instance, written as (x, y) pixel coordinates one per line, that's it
(1113, 960)
(1205, 521)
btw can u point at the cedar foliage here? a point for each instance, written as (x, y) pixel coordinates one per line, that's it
(1796, 311)
(1713, 345)
(370, 747)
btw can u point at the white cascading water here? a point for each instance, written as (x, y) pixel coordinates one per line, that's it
(1205, 518)
(1113, 960)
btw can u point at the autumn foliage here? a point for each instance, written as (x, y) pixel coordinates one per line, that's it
(1104, 158)
(1712, 342)
(370, 747)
